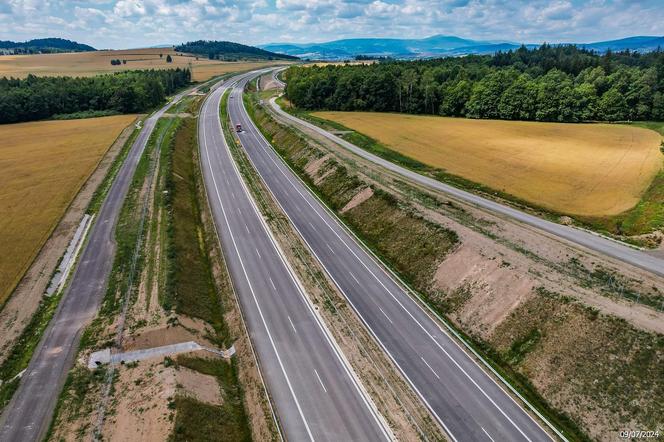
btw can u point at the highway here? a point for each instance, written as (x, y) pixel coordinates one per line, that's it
(579, 237)
(315, 394)
(466, 401)
(29, 413)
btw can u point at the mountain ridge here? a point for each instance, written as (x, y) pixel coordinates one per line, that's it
(439, 46)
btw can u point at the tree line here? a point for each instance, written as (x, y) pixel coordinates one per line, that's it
(44, 46)
(549, 83)
(229, 51)
(37, 98)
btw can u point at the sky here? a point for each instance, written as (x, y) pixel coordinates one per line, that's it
(141, 23)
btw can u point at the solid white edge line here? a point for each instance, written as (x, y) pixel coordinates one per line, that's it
(382, 424)
(230, 231)
(363, 320)
(421, 304)
(484, 393)
(275, 419)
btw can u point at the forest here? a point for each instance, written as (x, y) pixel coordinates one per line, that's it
(37, 98)
(549, 83)
(43, 46)
(229, 51)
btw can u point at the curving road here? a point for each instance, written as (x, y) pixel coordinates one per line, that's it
(467, 402)
(29, 413)
(583, 238)
(315, 394)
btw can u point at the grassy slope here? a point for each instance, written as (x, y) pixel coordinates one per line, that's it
(192, 291)
(646, 216)
(579, 367)
(196, 421)
(407, 249)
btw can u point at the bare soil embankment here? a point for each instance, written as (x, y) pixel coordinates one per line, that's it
(581, 335)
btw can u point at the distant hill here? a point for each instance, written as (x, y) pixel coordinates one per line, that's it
(229, 51)
(638, 43)
(436, 46)
(43, 45)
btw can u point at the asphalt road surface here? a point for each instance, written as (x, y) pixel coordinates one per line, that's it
(315, 394)
(468, 403)
(586, 239)
(29, 413)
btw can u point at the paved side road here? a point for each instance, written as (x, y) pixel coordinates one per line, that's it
(467, 402)
(315, 394)
(29, 413)
(587, 240)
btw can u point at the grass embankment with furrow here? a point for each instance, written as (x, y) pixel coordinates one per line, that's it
(579, 169)
(44, 164)
(611, 176)
(387, 224)
(590, 374)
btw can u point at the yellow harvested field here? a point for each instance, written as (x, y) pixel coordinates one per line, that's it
(44, 164)
(86, 64)
(579, 169)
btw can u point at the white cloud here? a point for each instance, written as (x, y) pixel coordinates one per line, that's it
(131, 23)
(129, 8)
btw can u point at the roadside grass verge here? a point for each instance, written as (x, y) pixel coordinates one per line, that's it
(102, 190)
(410, 249)
(24, 347)
(84, 114)
(645, 217)
(73, 401)
(190, 288)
